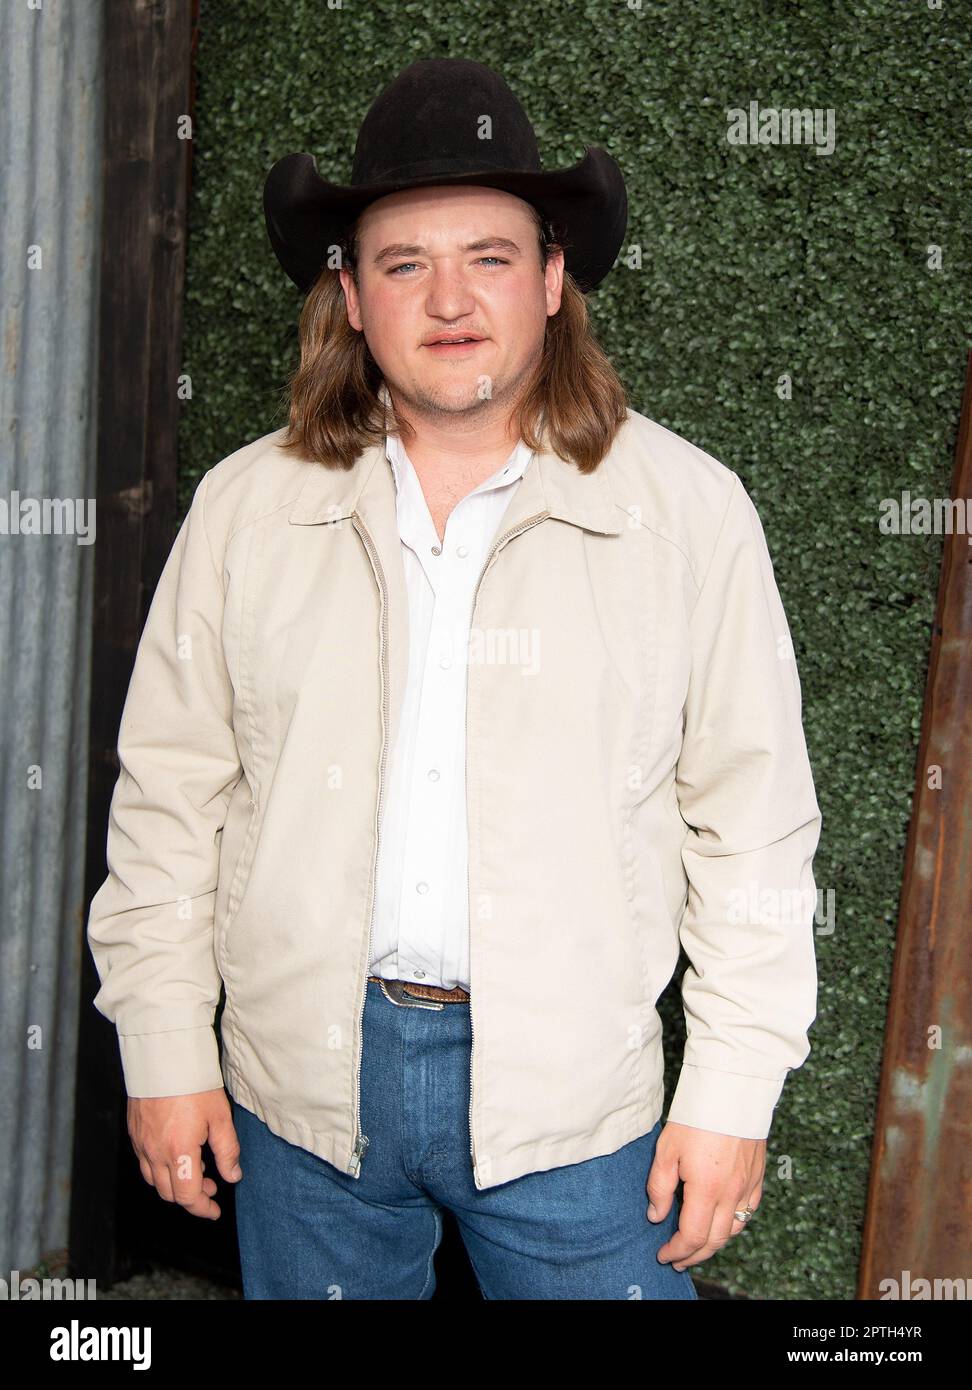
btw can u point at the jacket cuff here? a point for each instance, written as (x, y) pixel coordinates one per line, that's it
(725, 1102)
(178, 1063)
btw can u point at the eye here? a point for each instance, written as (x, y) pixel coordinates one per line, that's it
(406, 265)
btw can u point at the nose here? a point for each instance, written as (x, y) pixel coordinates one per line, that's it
(449, 296)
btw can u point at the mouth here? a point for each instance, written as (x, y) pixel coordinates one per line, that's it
(454, 344)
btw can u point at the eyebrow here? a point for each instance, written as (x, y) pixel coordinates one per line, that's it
(400, 250)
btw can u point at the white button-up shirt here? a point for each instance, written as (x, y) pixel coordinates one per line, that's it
(420, 924)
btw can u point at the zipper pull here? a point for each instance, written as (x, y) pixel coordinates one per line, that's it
(360, 1144)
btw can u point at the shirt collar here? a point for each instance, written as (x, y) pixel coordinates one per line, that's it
(514, 467)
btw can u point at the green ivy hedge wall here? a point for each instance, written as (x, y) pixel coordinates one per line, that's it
(802, 313)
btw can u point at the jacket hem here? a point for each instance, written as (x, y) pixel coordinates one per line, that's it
(321, 1144)
(607, 1138)
(487, 1172)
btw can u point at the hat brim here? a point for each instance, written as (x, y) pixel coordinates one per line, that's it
(306, 215)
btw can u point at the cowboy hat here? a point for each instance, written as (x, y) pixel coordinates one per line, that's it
(447, 121)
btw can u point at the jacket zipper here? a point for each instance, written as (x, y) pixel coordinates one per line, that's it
(361, 1140)
(523, 526)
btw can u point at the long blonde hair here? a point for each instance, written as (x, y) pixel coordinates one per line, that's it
(574, 404)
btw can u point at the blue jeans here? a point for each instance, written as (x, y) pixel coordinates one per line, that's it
(307, 1230)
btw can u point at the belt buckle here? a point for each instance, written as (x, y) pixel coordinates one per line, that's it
(395, 991)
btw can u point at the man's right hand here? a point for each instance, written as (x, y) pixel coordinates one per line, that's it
(167, 1134)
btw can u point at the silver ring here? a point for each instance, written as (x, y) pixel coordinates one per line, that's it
(744, 1216)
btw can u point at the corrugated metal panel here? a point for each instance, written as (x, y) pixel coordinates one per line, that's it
(50, 168)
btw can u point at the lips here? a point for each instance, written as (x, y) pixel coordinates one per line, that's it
(448, 338)
(457, 348)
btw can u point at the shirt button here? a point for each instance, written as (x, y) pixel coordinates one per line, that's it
(462, 550)
(433, 774)
(419, 974)
(445, 663)
(421, 887)
(437, 550)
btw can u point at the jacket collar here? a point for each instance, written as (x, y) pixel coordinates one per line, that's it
(549, 485)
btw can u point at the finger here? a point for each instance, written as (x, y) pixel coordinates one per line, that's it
(207, 1189)
(718, 1235)
(162, 1180)
(661, 1183)
(187, 1175)
(193, 1192)
(225, 1145)
(752, 1201)
(694, 1224)
(203, 1205)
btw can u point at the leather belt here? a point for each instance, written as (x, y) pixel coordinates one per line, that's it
(402, 991)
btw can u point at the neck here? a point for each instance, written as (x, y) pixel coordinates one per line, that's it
(466, 450)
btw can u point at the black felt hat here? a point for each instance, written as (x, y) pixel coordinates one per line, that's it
(442, 121)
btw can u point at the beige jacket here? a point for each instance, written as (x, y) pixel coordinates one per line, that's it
(637, 775)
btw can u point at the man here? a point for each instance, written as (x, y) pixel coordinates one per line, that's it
(461, 702)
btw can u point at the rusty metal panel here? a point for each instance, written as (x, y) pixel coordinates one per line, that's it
(919, 1212)
(50, 167)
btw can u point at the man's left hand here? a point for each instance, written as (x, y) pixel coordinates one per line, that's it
(722, 1174)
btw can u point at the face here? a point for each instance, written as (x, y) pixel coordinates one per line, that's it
(454, 261)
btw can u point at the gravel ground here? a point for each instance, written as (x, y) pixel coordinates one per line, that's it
(169, 1285)
(159, 1284)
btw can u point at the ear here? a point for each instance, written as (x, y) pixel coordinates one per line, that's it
(351, 301)
(553, 276)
